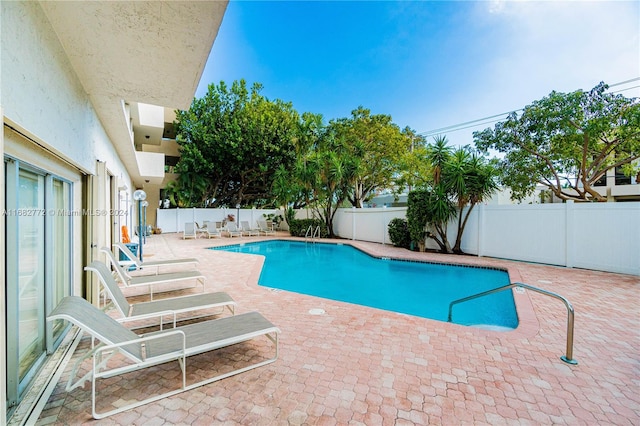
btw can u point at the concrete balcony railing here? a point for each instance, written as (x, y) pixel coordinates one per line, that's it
(151, 166)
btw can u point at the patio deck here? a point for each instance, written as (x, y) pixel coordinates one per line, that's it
(359, 365)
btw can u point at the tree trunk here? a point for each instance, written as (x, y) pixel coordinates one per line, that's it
(461, 225)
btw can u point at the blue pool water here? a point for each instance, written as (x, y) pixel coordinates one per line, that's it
(341, 272)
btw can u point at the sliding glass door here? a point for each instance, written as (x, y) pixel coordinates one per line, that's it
(38, 268)
(30, 227)
(59, 241)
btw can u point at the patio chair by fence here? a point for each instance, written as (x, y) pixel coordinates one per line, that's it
(189, 231)
(210, 230)
(264, 229)
(248, 230)
(232, 230)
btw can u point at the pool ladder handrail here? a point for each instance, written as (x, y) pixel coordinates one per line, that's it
(568, 358)
(312, 233)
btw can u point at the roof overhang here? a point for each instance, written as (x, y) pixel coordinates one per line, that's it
(123, 52)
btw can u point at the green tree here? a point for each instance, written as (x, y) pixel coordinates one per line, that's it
(378, 143)
(469, 179)
(430, 210)
(292, 186)
(417, 216)
(458, 178)
(330, 172)
(232, 141)
(566, 142)
(414, 169)
(440, 207)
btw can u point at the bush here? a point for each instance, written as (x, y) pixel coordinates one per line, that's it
(298, 227)
(417, 215)
(399, 233)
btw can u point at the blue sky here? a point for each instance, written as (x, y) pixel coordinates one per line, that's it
(428, 64)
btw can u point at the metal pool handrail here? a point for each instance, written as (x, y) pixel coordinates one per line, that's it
(312, 234)
(568, 358)
(309, 234)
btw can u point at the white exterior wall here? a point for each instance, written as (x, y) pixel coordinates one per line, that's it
(42, 96)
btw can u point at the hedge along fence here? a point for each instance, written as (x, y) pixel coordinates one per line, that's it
(299, 227)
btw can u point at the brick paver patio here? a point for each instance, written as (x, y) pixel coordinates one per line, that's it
(358, 365)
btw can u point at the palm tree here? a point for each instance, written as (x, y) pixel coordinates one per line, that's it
(438, 154)
(470, 180)
(440, 211)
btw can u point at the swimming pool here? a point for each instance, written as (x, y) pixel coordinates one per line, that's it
(344, 273)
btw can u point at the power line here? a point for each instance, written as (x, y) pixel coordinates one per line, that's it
(441, 129)
(481, 121)
(625, 82)
(628, 88)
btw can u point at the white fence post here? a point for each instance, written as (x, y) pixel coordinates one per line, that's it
(384, 230)
(569, 234)
(353, 223)
(481, 229)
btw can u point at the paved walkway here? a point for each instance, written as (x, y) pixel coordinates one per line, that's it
(358, 365)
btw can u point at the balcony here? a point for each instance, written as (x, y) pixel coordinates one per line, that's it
(151, 167)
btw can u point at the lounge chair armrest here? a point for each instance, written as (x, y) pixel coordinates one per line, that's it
(159, 314)
(146, 338)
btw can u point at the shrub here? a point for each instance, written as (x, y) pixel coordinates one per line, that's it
(298, 227)
(399, 233)
(417, 215)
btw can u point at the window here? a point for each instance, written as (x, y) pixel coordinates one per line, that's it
(621, 178)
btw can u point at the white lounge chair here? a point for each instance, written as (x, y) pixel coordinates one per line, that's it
(189, 231)
(134, 261)
(151, 280)
(155, 348)
(210, 230)
(232, 230)
(247, 230)
(264, 229)
(158, 308)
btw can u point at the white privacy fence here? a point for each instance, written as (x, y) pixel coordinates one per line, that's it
(599, 236)
(173, 220)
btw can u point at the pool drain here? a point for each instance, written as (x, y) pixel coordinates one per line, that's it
(317, 311)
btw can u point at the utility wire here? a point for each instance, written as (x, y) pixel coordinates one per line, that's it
(481, 121)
